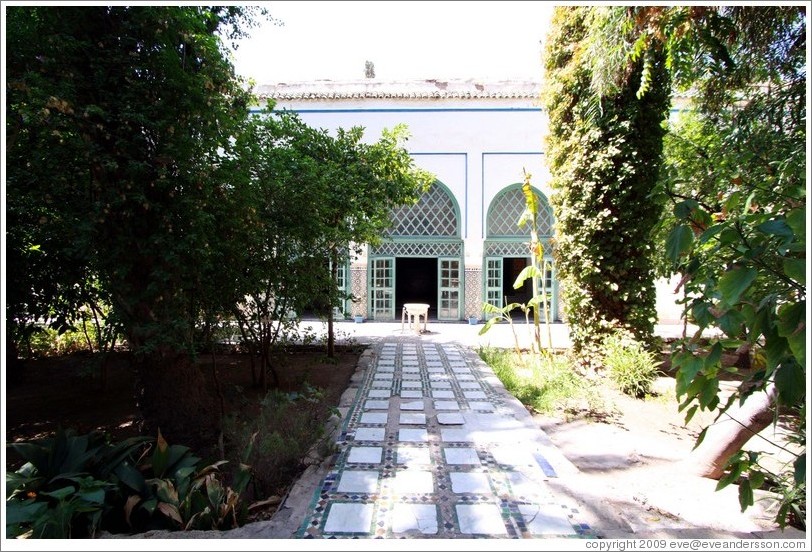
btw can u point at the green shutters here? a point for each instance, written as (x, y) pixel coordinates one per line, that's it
(448, 290)
(493, 281)
(382, 288)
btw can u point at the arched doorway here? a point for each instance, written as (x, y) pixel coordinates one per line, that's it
(421, 261)
(506, 250)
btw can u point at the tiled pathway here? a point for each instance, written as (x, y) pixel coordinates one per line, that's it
(430, 449)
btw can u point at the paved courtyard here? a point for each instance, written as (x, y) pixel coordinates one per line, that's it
(430, 447)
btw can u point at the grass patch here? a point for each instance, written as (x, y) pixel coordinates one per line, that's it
(545, 383)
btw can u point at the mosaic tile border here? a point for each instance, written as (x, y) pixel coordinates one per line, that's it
(413, 491)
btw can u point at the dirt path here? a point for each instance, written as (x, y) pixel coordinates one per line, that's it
(637, 462)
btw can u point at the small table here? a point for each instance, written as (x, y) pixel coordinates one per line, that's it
(414, 311)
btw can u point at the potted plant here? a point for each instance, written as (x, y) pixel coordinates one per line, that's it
(359, 318)
(473, 319)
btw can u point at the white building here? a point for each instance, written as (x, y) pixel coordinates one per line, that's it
(460, 245)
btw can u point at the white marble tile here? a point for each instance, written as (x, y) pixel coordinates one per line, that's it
(379, 393)
(412, 455)
(450, 418)
(411, 368)
(511, 456)
(370, 434)
(412, 383)
(358, 481)
(465, 482)
(383, 376)
(475, 395)
(546, 520)
(413, 482)
(461, 370)
(412, 405)
(480, 519)
(365, 455)
(412, 418)
(414, 517)
(528, 486)
(349, 518)
(464, 455)
(466, 377)
(413, 435)
(385, 368)
(374, 417)
(483, 406)
(435, 370)
(454, 435)
(470, 385)
(440, 384)
(412, 394)
(442, 394)
(376, 405)
(446, 405)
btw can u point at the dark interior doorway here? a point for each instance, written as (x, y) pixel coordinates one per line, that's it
(416, 282)
(512, 267)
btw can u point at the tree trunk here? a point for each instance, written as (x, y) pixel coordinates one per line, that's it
(331, 338)
(14, 364)
(173, 397)
(730, 433)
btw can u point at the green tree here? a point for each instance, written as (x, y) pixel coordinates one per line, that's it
(735, 175)
(604, 147)
(120, 126)
(737, 178)
(363, 184)
(321, 196)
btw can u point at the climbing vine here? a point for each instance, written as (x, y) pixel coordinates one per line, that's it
(604, 151)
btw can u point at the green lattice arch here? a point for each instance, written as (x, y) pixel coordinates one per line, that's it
(506, 209)
(435, 214)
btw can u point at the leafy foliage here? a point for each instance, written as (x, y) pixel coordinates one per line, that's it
(73, 485)
(736, 174)
(604, 150)
(137, 179)
(64, 488)
(169, 489)
(535, 271)
(121, 126)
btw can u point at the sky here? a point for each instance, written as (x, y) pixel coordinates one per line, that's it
(403, 39)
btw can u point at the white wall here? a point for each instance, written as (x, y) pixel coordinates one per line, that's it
(476, 148)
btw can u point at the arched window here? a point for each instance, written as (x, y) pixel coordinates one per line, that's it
(435, 214)
(506, 209)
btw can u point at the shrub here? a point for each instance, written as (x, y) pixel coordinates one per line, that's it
(73, 485)
(64, 489)
(169, 489)
(631, 366)
(276, 442)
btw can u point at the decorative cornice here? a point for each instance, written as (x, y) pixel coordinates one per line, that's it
(406, 90)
